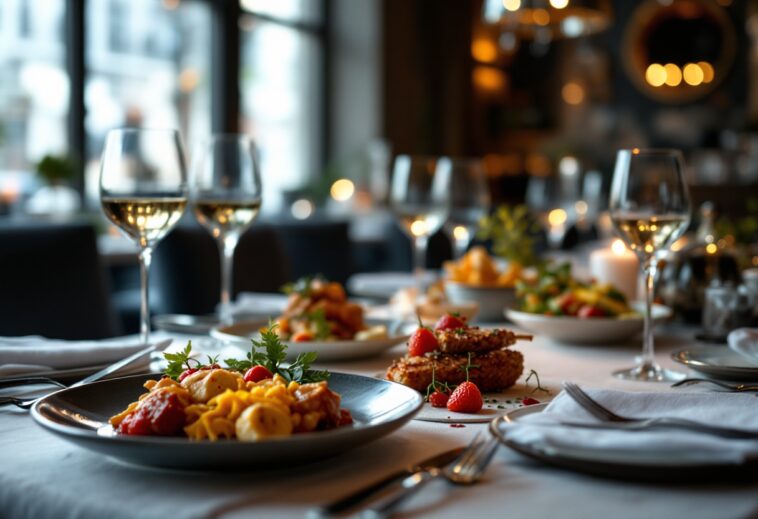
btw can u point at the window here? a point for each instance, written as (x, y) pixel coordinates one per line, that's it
(34, 91)
(148, 64)
(281, 91)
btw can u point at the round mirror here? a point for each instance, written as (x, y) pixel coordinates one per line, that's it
(681, 51)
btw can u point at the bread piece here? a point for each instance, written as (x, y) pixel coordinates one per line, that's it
(463, 340)
(497, 371)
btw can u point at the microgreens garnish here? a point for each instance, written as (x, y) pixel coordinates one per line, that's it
(539, 387)
(442, 387)
(318, 319)
(180, 361)
(468, 367)
(270, 352)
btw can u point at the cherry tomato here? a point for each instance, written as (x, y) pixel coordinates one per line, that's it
(186, 373)
(588, 311)
(257, 373)
(449, 322)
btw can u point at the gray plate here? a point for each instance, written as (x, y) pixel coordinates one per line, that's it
(80, 415)
(613, 464)
(717, 362)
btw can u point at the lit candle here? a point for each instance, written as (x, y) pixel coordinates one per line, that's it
(618, 266)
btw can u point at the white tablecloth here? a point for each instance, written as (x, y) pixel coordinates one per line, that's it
(43, 476)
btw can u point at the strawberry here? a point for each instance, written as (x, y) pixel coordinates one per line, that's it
(465, 399)
(257, 373)
(449, 322)
(530, 401)
(439, 399)
(422, 341)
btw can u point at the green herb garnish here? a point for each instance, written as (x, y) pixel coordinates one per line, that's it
(539, 387)
(270, 352)
(318, 319)
(181, 361)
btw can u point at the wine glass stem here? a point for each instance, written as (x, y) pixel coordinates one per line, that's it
(648, 352)
(419, 263)
(145, 257)
(227, 244)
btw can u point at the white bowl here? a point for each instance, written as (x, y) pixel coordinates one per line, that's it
(491, 300)
(592, 330)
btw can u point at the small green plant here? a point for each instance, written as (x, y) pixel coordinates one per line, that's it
(57, 168)
(512, 230)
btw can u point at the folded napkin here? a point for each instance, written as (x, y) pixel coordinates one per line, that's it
(745, 342)
(545, 431)
(31, 354)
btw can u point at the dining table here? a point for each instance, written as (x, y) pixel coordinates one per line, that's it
(41, 475)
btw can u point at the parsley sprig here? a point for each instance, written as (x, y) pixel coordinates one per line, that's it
(270, 352)
(183, 360)
(539, 387)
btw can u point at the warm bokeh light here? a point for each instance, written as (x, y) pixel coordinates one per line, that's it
(557, 217)
(559, 4)
(708, 72)
(541, 17)
(655, 74)
(673, 74)
(342, 190)
(170, 5)
(188, 80)
(460, 233)
(568, 166)
(489, 78)
(711, 248)
(618, 248)
(581, 207)
(419, 227)
(693, 74)
(512, 5)
(302, 209)
(484, 50)
(635, 151)
(573, 93)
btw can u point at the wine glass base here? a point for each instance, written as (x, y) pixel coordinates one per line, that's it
(649, 373)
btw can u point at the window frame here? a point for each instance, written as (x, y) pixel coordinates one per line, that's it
(225, 89)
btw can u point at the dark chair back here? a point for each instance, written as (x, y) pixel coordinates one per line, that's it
(186, 268)
(52, 283)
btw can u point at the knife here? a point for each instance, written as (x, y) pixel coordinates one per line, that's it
(351, 500)
(159, 346)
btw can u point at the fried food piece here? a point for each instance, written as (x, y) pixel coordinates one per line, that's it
(497, 371)
(463, 340)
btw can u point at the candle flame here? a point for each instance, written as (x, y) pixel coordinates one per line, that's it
(619, 248)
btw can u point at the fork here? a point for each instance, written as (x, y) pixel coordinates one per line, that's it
(623, 422)
(466, 470)
(731, 387)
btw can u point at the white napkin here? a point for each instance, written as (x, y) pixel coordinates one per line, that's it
(745, 342)
(33, 353)
(545, 432)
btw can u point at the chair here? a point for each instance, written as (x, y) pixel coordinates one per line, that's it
(185, 277)
(53, 283)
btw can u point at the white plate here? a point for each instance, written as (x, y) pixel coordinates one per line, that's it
(385, 284)
(491, 300)
(718, 362)
(241, 333)
(621, 464)
(496, 404)
(594, 330)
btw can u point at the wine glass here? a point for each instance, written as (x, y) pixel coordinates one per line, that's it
(143, 191)
(469, 200)
(420, 199)
(225, 193)
(650, 210)
(555, 213)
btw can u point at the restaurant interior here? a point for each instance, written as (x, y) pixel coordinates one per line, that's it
(522, 232)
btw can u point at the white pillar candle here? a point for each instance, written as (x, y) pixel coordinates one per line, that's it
(618, 266)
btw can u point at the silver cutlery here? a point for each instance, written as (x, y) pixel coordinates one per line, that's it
(731, 387)
(466, 470)
(27, 403)
(361, 495)
(28, 380)
(623, 422)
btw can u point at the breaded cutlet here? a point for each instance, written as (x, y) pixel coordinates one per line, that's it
(463, 340)
(497, 369)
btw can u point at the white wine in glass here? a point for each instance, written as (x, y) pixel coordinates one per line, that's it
(420, 200)
(650, 210)
(143, 191)
(226, 196)
(469, 200)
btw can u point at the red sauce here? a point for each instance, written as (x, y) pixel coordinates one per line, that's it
(160, 414)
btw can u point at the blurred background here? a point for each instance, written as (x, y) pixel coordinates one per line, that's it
(543, 92)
